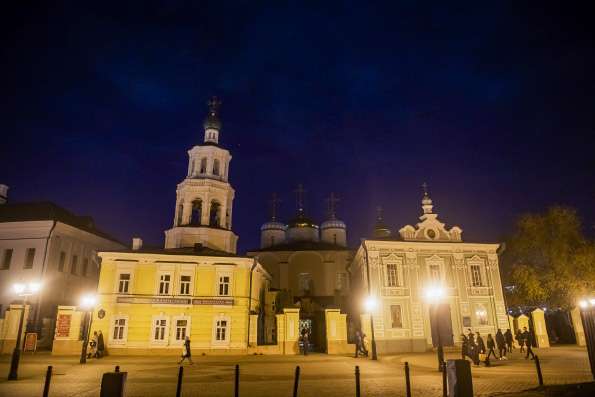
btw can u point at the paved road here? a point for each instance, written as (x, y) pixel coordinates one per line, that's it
(265, 376)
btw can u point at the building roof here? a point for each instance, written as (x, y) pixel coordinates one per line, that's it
(304, 246)
(48, 211)
(196, 251)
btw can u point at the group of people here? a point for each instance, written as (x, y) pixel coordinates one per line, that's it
(477, 350)
(96, 346)
(361, 344)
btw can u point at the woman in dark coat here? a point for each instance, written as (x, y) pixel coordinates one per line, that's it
(491, 346)
(100, 345)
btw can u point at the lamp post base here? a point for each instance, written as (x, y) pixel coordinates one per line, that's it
(14, 364)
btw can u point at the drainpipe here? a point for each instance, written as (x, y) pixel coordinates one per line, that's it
(44, 270)
(250, 301)
(374, 355)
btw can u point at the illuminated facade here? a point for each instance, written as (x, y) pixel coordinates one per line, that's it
(428, 256)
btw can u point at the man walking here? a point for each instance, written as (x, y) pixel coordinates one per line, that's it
(186, 352)
(520, 340)
(481, 347)
(473, 350)
(491, 347)
(529, 340)
(501, 343)
(464, 347)
(509, 341)
(358, 343)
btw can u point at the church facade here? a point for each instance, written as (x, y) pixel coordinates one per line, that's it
(196, 286)
(396, 275)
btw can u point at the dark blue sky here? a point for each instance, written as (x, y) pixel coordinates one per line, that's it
(492, 105)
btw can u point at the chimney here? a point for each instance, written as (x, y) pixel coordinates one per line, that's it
(137, 243)
(3, 194)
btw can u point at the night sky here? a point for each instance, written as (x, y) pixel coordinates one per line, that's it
(492, 105)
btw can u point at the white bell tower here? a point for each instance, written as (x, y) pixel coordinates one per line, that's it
(204, 199)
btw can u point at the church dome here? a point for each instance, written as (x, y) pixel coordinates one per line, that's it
(301, 220)
(333, 224)
(272, 225)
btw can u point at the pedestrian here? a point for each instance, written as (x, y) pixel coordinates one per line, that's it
(464, 346)
(509, 341)
(519, 339)
(186, 352)
(305, 341)
(481, 348)
(501, 343)
(491, 346)
(473, 351)
(529, 340)
(100, 345)
(358, 343)
(365, 344)
(93, 346)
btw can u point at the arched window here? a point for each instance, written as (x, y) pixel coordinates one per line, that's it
(216, 167)
(196, 212)
(192, 167)
(180, 214)
(203, 165)
(214, 215)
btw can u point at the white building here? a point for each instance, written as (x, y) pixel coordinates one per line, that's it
(396, 273)
(42, 242)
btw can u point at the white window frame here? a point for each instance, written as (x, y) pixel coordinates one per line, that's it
(390, 309)
(113, 325)
(170, 283)
(227, 339)
(476, 279)
(435, 260)
(481, 307)
(174, 329)
(190, 284)
(220, 275)
(126, 281)
(154, 320)
(126, 268)
(477, 261)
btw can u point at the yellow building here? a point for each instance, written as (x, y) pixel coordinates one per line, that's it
(151, 299)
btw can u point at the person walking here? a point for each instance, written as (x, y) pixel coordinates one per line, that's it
(501, 343)
(306, 341)
(186, 352)
(473, 351)
(509, 341)
(93, 346)
(465, 346)
(481, 348)
(519, 339)
(365, 344)
(100, 345)
(491, 346)
(529, 340)
(358, 343)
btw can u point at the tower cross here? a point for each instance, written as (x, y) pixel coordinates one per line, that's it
(424, 186)
(299, 196)
(214, 104)
(379, 211)
(331, 203)
(274, 201)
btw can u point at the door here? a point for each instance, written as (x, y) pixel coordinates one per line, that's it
(441, 325)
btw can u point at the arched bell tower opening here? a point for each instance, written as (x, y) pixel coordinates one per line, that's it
(205, 197)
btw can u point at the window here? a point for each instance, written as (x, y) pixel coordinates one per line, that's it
(62, 261)
(123, 283)
(305, 282)
(185, 285)
(85, 266)
(335, 238)
(29, 258)
(224, 285)
(221, 332)
(396, 316)
(120, 328)
(181, 329)
(392, 277)
(203, 165)
(215, 214)
(341, 281)
(180, 214)
(481, 315)
(216, 167)
(476, 276)
(192, 167)
(6, 259)
(160, 329)
(196, 212)
(73, 265)
(164, 281)
(434, 271)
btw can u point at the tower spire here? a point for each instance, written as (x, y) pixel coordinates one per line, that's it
(426, 201)
(299, 197)
(212, 124)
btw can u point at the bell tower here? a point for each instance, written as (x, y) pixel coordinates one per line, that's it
(204, 199)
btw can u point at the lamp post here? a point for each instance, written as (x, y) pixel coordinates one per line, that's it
(370, 305)
(23, 291)
(88, 304)
(370, 300)
(434, 296)
(587, 309)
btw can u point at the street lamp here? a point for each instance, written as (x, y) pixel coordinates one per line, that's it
(22, 290)
(370, 305)
(88, 303)
(587, 309)
(434, 296)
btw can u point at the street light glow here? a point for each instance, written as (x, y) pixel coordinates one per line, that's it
(370, 304)
(583, 303)
(19, 288)
(88, 301)
(592, 302)
(434, 293)
(34, 287)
